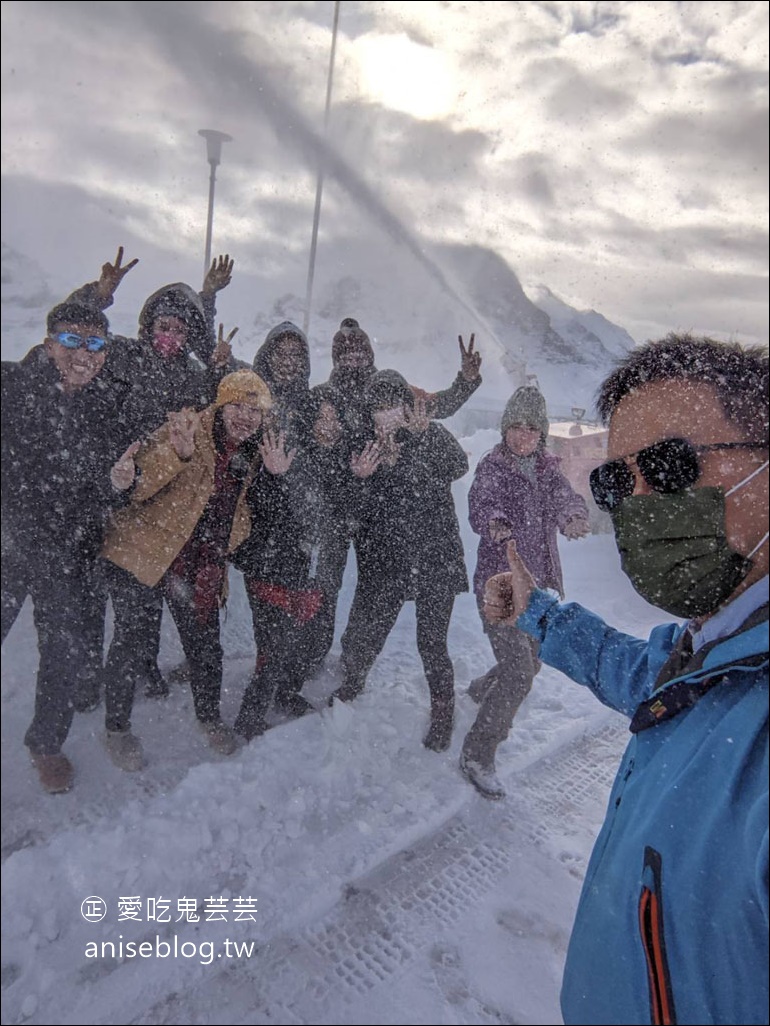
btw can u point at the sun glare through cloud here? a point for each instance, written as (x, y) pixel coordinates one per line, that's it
(407, 76)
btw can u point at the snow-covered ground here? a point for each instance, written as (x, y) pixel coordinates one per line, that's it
(341, 872)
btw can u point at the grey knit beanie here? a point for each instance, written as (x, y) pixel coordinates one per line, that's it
(526, 406)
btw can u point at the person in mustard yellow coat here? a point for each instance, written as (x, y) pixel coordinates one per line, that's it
(186, 512)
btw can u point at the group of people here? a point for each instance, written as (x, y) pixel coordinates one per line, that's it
(141, 468)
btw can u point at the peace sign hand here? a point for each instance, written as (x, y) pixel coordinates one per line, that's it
(223, 351)
(123, 470)
(182, 427)
(470, 366)
(113, 274)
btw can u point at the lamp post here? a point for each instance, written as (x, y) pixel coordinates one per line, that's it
(214, 140)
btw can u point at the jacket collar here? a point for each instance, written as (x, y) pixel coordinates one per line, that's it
(746, 649)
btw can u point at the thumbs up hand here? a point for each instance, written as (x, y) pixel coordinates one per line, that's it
(506, 596)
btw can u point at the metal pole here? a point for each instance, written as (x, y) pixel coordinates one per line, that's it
(214, 140)
(210, 220)
(321, 170)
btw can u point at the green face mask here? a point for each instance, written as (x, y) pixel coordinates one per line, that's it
(675, 551)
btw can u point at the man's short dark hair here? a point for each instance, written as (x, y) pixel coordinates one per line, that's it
(76, 313)
(738, 375)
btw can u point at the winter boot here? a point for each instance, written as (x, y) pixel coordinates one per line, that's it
(219, 736)
(56, 772)
(349, 691)
(125, 750)
(483, 777)
(291, 704)
(439, 736)
(251, 720)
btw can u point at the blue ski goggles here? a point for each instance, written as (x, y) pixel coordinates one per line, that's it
(93, 343)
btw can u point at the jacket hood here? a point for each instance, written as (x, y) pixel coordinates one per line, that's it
(261, 364)
(177, 300)
(388, 388)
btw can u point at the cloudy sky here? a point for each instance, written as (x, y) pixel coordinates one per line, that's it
(616, 152)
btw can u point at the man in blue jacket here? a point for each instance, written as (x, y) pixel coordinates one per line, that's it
(672, 924)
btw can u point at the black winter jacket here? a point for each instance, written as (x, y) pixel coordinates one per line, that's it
(409, 538)
(347, 392)
(283, 545)
(57, 452)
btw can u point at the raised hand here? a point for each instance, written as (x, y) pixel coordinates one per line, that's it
(499, 530)
(113, 274)
(182, 428)
(506, 596)
(365, 463)
(577, 527)
(417, 419)
(123, 470)
(223, 351)
(219, 275)
(327, 429)
(470, 361)
(274, 455)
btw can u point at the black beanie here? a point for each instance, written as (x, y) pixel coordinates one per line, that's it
(351, 336)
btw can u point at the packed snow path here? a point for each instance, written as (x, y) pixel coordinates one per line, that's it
(391, 950)
(387, 890)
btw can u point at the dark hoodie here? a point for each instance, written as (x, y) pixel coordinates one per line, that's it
(346, 387)
(295, 406)
(160, 384)
(286, 509)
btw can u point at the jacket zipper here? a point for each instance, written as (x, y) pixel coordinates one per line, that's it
(662, 1011)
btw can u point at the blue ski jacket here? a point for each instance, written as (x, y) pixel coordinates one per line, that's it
(672, 923)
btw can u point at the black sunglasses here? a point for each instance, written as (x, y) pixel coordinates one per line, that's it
(668, 466)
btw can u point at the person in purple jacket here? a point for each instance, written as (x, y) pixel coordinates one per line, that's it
(518, 493)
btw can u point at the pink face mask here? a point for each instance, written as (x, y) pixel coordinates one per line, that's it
(168, 343)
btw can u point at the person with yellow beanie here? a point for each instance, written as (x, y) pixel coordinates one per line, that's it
(186, 511)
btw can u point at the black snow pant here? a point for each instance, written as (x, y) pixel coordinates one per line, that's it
(138, 611)
(373, 616)
(284, 662)
(340, 534)
(69, 603)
